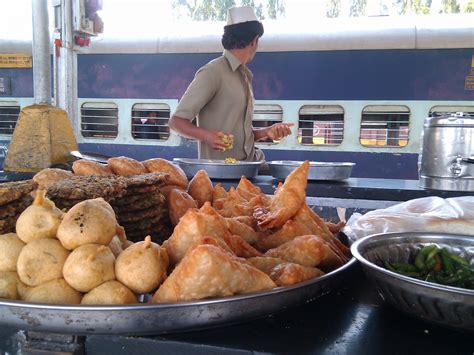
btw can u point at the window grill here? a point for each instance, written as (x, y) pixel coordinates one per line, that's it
(9, 113)
(150, 121)
(438, 111)
(385, 126)
(321, 125)
(99, 120)
(267, 115)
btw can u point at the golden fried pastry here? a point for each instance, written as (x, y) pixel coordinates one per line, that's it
(286, 201)
(55, 291)
(125, 166)
(200, 188)
(284, 273)
(9, 285)
(142, 266)
(208, 271)
(46, 177)
(40, 261)
(10, 248)
(307, 250)
(179, 202)
(87, 167)
(240, 247)
(88, 266)
(166, 190)
(115, 246)
(287, 232)
(243, 230)
(40, 220)
(246, 189)
(110, 292)
(176, 174)
(307, 217)
(87, 222)
(234, 205)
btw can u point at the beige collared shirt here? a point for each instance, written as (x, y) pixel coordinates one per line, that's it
(221, 98)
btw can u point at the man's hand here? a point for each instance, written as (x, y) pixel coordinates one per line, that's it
(218, 140)
(279, 131)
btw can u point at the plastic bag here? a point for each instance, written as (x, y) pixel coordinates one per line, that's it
(427, 214)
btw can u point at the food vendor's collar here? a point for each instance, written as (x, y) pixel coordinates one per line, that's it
(233, 61)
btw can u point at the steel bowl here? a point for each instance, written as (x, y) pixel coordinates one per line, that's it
(443, 305)
(280, 169)
(219, 169)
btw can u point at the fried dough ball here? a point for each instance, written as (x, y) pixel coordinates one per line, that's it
(177, 175)
(9, 285)
(85, 223)
(110, 292)
(40, 220)
(142, 266)
(87, 167)
(10, 248)
(41, 260)
(166, 190)
(200, 188)
(88, 266)
(125, 166)
(49, 176)
(179, 202)
(55, 291)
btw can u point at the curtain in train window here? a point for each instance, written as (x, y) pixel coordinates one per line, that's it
(150, 121)
(99, 120)
(9, 112)
(438, 111)
(321, 125)
(385, 126)
(266, 115)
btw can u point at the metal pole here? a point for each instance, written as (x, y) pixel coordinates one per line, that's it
(41, 52)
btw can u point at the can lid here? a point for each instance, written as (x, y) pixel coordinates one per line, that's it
(455, 119)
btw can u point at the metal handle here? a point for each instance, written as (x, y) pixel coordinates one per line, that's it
(468, 160)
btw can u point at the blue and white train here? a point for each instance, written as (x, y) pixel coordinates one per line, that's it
(357, 90)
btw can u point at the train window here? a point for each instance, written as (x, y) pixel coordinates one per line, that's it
(266, 115)
(99, 120)
(321, 125)
(384, 126)
(438, 111)
(9, 112)
(150, 121)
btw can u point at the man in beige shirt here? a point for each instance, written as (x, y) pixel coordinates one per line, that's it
(221, 98)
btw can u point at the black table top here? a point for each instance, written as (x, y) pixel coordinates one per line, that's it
(357, 188)
(352, 319)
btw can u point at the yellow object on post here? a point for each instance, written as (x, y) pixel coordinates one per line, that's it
(43, 137)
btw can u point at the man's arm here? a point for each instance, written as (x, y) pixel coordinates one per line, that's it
(275, 132)
(186, 129)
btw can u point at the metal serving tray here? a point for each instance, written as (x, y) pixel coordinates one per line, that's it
(280, 169)
(218, 169)
(440, 304)
(147, 319)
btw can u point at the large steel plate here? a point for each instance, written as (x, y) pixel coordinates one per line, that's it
(280, 169)
(219, 169)
(147, 319)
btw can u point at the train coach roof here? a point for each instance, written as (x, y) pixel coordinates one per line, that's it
(418, 32)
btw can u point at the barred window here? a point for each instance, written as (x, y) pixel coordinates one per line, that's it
(9, 112)
(384, 126)
(150, 121)
(438, 111)
(99, 120)
(321, 125)
(266, 115)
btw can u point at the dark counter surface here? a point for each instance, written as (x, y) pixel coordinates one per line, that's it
(351, 320)
(357, 188)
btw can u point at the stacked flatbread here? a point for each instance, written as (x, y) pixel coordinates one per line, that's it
(137, 201)
(14, 198)
(142, 209)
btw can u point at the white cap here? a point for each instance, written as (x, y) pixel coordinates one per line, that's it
(240, 14)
